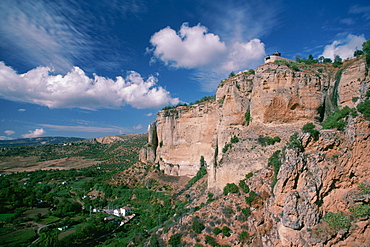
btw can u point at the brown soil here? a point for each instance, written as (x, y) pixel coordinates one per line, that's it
(22, 164)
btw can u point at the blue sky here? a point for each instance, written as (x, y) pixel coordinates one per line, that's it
(96, 68)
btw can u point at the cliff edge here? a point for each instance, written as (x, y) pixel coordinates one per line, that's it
(273, 101)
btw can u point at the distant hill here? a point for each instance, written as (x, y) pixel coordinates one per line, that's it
(38, 141)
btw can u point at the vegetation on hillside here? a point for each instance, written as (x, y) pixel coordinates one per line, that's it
(59, 198)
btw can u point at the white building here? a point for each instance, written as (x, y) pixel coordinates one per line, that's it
(276, 56)
(122, 212)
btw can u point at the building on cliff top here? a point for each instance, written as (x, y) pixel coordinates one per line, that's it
(276, 56)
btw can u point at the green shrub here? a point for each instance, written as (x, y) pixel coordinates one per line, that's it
(175, 240)
(230, 188)
(226, 231)
(336, 221)
(243, 236)
(365, 190)
(364, 108)
(204, 99)
(275, 162)
(250, 72)
(216, 230)
(295, 68)
(232, 74)
(367, 94)
(310, 128)
(337, 120)
(294, 142)
(234, 139)
(337, 62)
(210, 197)
(197, 225)
(360, 210)
(246, 211)
(248, 118)
(249, 175)
(201, 173)
(266, 140)
(211, 241)
(243, 186)
(358, 53)
(249, 199)
(226, 148)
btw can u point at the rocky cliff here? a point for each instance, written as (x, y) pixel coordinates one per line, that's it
(273, 101)
(311, 188)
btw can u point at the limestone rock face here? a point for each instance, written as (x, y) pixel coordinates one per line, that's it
(148, 152)
(323, 178)
(350, 88)
(274, 101)
(184, 135)
(284, 95)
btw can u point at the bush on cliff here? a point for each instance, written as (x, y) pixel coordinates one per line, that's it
(364, 108)
(230, 188)
(338, 119)
(336, 221)
(294, 142)
(175, 240)
(201, 172)
(310, 128)
(266, 140)
(244, 186)
(275, 162)
(234, 139)
(197, 225)
(366, 49)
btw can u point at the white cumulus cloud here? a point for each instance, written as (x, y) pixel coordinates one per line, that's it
(344, 47)
(196, 48)
(77, 90)
(190, 47)
(35, 133)
(244, 55)
(9, 132)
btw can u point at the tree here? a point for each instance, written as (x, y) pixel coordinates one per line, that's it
(310, 128)
(366, 49)
(366, 46)
(321, 59)
(327, 60)
(244, 186)
(232, 73)
(311, 59)
(230, 188)
(202, 161)
(197, 225)
(175, 240)
(226, 231)
(337, 61)
(358, 53)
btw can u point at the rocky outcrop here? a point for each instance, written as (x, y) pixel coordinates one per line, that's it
(184, 135)
(315, 196)
(323, 178)
(316, 178)
(274, 101)
(148, 152)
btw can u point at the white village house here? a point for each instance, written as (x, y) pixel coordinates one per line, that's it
(276, 56)
(124, 211)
